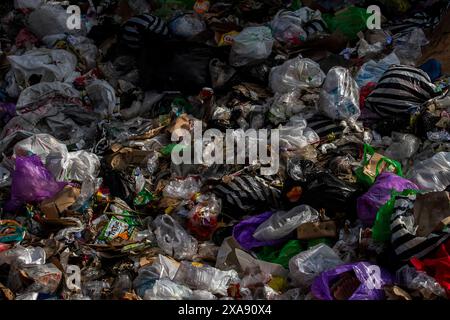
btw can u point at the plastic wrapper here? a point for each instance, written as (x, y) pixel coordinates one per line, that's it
(378, 194)
(165, 289)
(103, 97)
(173, 239)
(94, 289)
(51, 65)
(244, 230)
(23, 255)
(203, 218)
(372, 71)
(432, 174)
(418, 280)
(187, 26)
(45, 277)
(251, 45)
(31, 182)
(371, 277)
(282, 223)
(308, 264)
(205, 278)
(339, 97)
(295, 74)
(182, 189)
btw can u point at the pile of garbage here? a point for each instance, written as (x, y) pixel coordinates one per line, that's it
(99, 97)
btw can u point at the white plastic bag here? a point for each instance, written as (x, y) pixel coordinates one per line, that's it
(282, 223)
(251, 45)
(295, 74)
(296, 135)
(287, 27)
(205, 278)
(339, 97)
(306, 265)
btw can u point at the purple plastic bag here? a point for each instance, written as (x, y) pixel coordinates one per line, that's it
(379, 193)
(31, 182)
(372, 279)
(7, 112)
(243, 232)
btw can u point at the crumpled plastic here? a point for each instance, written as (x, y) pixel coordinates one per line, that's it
(51, 65)
(369, 289)
(295, 74)
(282, 223)
(339, 96)
(244, 230)
(432, 174)
(308, 264)
(380, 192)
(173, 239)
(251, 45)
(31, 182)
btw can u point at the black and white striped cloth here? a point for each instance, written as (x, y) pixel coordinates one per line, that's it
(248, 193)
(421, 19)
(325, 127)
(403, 232)
(401, 91)
(135, 29)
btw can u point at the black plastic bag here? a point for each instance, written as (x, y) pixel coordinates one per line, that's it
(308, 184)
(176, 65)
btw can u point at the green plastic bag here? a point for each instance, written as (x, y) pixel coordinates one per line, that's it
(368, 180)
(349, 21)
(381, 230)
(282, 257)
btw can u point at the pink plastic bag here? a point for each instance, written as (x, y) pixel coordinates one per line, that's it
(31, 182)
